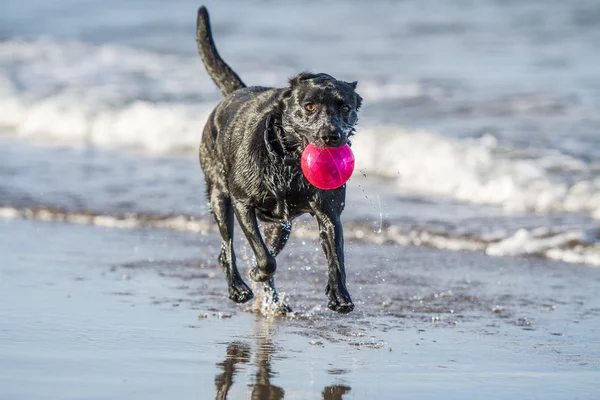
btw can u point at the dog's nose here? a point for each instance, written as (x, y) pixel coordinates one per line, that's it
(332, 138)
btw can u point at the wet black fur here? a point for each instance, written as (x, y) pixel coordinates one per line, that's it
(249, 154)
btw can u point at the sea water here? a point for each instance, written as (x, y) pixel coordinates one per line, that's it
(480, 128)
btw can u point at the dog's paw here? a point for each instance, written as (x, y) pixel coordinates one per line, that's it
(240, 293)
(342, 308)
(259, 276)
(339, 300)
(284, 309)
(274, 304)
(264, 271)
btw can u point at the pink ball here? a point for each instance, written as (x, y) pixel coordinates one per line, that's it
(329, 167)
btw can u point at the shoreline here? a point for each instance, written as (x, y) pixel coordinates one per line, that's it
(513, 246)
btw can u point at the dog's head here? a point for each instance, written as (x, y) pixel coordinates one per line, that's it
(319, 109)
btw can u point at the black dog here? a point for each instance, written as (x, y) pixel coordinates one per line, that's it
(249, 153)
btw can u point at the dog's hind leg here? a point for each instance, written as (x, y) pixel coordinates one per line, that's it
(223, 213)
(265, 261)
(276, 236)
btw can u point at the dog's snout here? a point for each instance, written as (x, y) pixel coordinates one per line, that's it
(332, 138)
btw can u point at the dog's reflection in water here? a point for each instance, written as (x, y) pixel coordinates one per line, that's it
(237, 353)
(335, 392)
(240, 353)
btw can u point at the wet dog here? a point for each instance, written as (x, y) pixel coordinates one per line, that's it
(250, 151)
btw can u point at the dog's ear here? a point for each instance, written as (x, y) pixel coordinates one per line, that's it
(302, 76)
(358, 98)
(294, 81)
(287, 92)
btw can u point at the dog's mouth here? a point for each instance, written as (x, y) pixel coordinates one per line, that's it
(305, 141)
(325, 143)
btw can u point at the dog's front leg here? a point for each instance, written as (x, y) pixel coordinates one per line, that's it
(265, 261)
(332, 241)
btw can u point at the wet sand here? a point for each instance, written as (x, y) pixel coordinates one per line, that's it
(91, 313)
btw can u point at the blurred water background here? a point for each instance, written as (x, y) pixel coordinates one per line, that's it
(480, 128)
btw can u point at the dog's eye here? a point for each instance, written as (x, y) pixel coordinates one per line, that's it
(310, 107)
(345, 108)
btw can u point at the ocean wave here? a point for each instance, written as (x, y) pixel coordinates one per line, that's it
(568, 245)
(480, 171)
(115, 96)
(111, 95)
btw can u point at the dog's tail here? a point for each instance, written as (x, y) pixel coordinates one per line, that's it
(227, 80)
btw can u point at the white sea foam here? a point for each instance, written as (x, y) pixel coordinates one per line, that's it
(102, 95)
(115, 96)
(567, 245)
(479, 171)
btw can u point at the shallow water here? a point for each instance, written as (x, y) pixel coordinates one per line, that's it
(91, 312)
